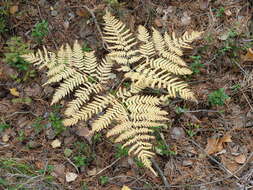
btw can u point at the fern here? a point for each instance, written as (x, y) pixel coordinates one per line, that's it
(149, 61)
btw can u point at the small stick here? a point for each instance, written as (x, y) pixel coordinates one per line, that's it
(160, 172)
(107, 167)
(73, 165)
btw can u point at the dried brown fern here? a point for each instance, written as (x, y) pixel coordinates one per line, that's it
(127, 114)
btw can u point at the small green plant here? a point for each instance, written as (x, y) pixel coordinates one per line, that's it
(196, 65)
(103, 180)
(220, 12)
(191, 131)
(21, 136)
(97, 138)
(84, 186)
(15, 48)
(120, 151)
(40, 31)
(86, 48)
(3, 27)
(80, 160)
(161, 147)
(235, 87)
(3, 17)
(180, 110)
(138, 163)
(56, 122)
(81, 147)
(38, 126)
(48, 169)
(67, 152)
(3, 126)
(218, 97)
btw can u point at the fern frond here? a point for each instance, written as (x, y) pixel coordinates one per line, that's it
(149, 116)
(104, 70)
(171, 45)
(123, 93)
(161, 48)
(166, 65)
(160, 79)
(121, 40)
(40, 59)
(147, 47)
(117, 111)
(68, 86)
(131, 133)
(137, 99)
(186, 39)
(82, 95)
(96, 106)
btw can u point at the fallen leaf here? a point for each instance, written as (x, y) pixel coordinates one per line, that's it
(5, 138)
(13, 9)
(82, 13)
(158, 22)
(56, 143)
(84, 132)
(14, 92)
(59, 171)
(92, 172)
(241, 159)
(203, 4)
(125, 188)
(71, 176)
(228, 12)
(229, 164)
(215, 144)
(226, 138)
(248, 56)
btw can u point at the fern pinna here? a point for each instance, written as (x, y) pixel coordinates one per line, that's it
(148, 61)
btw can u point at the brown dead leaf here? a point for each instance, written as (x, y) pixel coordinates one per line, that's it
(248, 56)
(13, 9)
(215, 144)
(14, 92)
(82, 13)
(84, 132)
(59, 171)
(226, 138)
(92, 172)
(158, 22)
(241, 159)
(229, 164)
(203, 4)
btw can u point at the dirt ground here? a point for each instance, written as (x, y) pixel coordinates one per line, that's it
(206, 146)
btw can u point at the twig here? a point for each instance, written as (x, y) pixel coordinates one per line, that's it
(201, 110)
(21, 112)
(160, 172)
(213, 159)
(115, 161)
(72, 164)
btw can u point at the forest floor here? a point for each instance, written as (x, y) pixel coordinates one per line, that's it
(208, 145)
